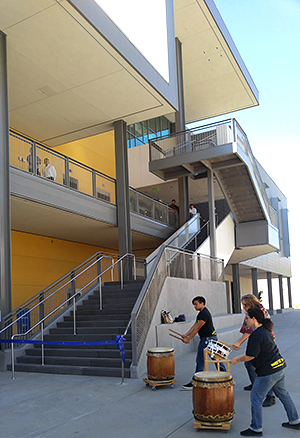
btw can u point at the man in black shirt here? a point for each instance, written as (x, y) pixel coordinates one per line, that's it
(270, 369)
(205, 329)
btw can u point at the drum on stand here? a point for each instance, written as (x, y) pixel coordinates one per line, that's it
(213, 399)
(160, 363)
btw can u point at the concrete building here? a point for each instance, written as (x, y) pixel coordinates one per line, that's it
(79, 88)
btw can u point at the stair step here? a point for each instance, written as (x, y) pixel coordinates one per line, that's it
(88, 330)
(74, 361)
(78, 352)
(61, 369)
(82, 337)
(97, 324)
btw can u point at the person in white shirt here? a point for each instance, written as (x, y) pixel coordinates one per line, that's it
(193, 210)
(49, 171)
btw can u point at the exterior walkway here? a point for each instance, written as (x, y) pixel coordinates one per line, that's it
(48, 406)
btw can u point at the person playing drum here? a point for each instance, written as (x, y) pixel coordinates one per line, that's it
(250, 301)
(270, 369)
(205, 329)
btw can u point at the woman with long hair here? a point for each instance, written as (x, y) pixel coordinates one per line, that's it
(250, 301)
(270, 369)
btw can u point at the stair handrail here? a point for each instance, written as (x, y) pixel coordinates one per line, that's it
(59, 280)
(42, 301)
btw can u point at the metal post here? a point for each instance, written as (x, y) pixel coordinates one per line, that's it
(42, 335)
(134, 268)
(12, 361)
(270, 292)
(94, 183)
(100, 294)
(74, 316)
(67, 173)
(121, 273)
(281, 292)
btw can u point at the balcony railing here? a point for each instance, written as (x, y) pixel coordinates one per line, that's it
(29, 156)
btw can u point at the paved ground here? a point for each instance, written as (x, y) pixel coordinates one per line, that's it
(48, 406)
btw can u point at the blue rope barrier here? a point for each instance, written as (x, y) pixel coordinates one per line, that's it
(119, 341)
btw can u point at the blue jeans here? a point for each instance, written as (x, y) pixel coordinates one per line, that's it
(261, 387)
(200, 356)
(252, 374)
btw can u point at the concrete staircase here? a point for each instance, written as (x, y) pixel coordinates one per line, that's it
(93, 324)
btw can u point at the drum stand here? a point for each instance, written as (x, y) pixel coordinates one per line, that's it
(155, 383)
(207, 425)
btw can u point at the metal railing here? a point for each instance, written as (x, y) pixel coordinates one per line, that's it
(40, 325)
(29, 156)
(46, 305)
(173, 262)
(206, 137)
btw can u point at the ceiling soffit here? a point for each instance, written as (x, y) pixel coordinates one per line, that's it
(216, 81)
(65, 81)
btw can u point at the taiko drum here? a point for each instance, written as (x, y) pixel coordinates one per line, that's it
(213, 397)
(160, 363)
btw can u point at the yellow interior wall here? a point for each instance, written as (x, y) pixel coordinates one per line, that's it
(97, 152)
(38, 261)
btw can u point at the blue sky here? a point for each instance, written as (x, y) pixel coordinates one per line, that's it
(267, 35)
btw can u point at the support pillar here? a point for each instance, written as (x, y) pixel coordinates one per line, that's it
(211, 210)
(5, 230)
(183, 185)
(270, 292)
(254, 282)
(122, 188)
(289, 291)
(183, 193)
(281, 292)
(236, 288)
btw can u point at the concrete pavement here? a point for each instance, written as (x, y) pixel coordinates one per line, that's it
(65, 406)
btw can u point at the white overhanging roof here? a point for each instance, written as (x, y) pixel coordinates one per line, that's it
(216, 80)
(72, 73)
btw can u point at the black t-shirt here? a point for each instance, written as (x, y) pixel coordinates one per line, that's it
(207, 329)
(268, 359)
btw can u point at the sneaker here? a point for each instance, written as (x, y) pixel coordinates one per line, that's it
(291, 426)
(248, 388)
(188, 386)
(270, 400)
(250, 432)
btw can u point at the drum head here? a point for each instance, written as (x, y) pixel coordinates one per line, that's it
(158, 350)
(212, 376)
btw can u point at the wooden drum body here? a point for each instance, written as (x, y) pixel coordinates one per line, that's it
(160, 363)
(213, 397)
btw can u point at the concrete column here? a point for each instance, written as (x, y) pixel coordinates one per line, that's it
(289, 291)
(281, 292)
(211, 210)
(122, 188)
(254, 282)
(183, 187)
(270, 292)
(5, 230)
(236, 288)
(183, 194)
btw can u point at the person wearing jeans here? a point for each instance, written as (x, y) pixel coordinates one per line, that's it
(270, 368)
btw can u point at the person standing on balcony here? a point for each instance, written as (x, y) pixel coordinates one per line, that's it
(49, 171)
(173, 205)
(205, 329)
(30, 162)
(193, 210)
(270, 369)
(250, 301)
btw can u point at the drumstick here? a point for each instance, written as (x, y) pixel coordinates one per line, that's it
(175, 332)
(176, 337)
